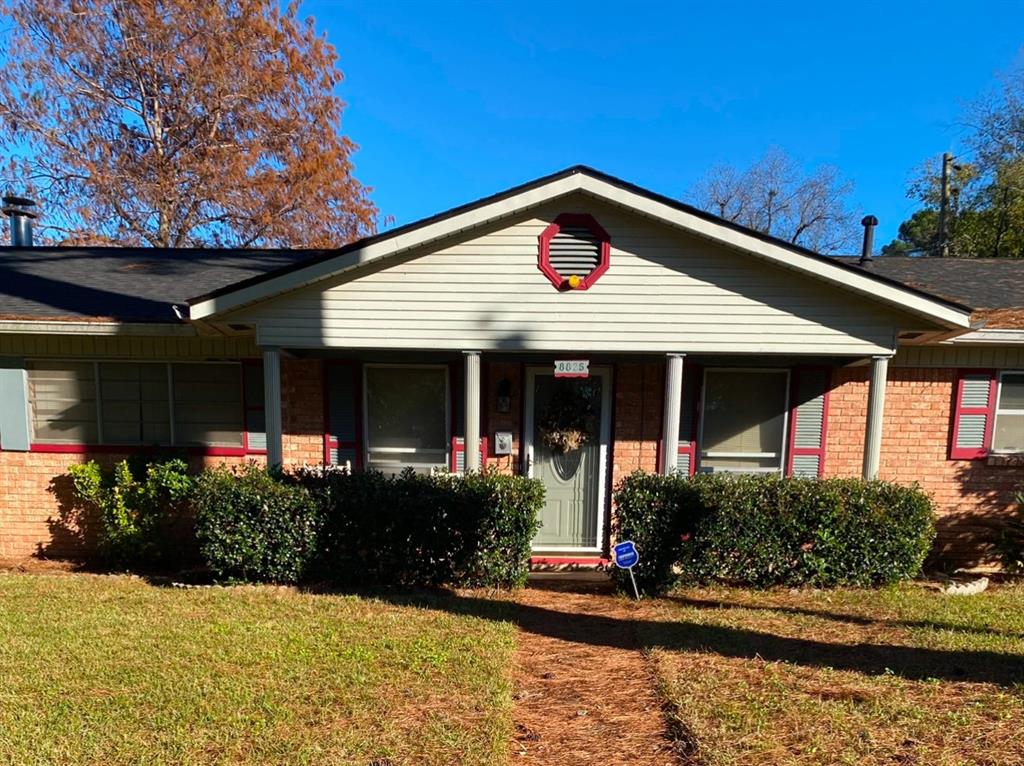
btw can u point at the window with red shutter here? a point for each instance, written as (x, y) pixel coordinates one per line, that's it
(808, 421)
(973, 414)
(686, 455)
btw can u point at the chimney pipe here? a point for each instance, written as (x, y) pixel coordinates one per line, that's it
(869, 222)
(19, 210)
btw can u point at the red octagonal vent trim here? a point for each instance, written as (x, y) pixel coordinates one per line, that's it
(574, 251)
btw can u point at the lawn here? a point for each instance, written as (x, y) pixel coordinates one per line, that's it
(111, 670)
(898, 676)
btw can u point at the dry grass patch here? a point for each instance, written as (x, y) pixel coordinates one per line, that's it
(110, 670)
(896, 676)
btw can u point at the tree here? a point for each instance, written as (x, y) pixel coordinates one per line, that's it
(178, 123)
(918, 235)
(986, 206)
(774, 196)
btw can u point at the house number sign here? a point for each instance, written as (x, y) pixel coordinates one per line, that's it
(572, 368)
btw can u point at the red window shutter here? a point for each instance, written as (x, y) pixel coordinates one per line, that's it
(973, 414)
(689, 417)
(458, 461)
(808, 421)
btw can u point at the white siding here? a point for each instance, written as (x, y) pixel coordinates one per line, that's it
(665, 291)
(1000, 357)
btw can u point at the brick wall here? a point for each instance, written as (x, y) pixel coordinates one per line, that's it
(494, 374)
(972, 496)
(36, 519)
(639, 395)
(302, 411)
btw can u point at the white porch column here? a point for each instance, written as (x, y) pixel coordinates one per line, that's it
(472, 419)
(272, 404)
(671, 409)
(876, 410)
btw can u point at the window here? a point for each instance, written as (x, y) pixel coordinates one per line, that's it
(134, 403)
(207, 405)
(63, 397)
(406, 417)
(1008, 434)
(744, 420)
(147, 403)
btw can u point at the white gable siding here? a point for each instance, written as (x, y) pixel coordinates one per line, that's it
(665, 291)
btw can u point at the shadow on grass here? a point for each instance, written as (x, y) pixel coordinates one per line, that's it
(681, 635)
(851, 619)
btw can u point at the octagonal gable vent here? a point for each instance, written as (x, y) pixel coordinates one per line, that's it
(574, 251)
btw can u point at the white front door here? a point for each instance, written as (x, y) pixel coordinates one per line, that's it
(574, 477)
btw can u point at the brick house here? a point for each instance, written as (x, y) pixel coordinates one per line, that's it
(574, 309)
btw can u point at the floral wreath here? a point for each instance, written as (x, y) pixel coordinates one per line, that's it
(567, 421)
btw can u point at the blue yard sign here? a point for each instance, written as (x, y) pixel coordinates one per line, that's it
(626, 557)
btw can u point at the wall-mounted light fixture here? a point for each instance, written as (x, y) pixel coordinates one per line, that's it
(503, 402)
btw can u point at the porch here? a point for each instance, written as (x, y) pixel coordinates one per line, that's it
(424, 411)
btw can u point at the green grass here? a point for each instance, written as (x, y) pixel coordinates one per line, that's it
(109, 670)
(903, 675)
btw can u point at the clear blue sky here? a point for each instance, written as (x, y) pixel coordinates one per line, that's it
(453, 101)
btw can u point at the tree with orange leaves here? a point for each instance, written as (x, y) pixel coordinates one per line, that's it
(177, 123)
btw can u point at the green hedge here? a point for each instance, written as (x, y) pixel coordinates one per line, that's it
(763, 531)
(367, 529)
(468, 530)
(254, 525)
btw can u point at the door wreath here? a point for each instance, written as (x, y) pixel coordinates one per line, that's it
(567, 422)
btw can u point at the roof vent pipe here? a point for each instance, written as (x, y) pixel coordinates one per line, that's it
(869, 222)
(19, 210)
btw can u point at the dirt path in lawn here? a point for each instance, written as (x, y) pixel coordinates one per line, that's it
(584, 692)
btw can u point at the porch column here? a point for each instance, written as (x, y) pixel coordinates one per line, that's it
(272, 403)
(876, 407)
(671, 410)
(472, 420)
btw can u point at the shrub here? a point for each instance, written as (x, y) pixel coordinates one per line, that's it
(136, 506)
(255, 525)
(763, 531)
(464, 530)
(1011, 539)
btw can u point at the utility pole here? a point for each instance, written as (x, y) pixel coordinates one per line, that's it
(947, 164)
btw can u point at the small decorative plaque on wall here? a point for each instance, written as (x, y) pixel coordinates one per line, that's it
(572, 368)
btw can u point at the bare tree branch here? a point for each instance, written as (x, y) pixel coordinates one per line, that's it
(774, 196)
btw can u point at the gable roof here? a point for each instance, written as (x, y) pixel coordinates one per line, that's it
(121, 284)
(601, 186)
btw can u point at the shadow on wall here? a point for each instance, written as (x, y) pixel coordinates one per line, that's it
(74, 531)
(970, 529)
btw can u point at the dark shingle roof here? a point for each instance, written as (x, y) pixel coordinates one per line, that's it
(981, 283)
(123, 284)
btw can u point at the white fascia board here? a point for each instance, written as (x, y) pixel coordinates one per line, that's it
(44, 327)
(408, 240)
(417, 236)
(988, 338)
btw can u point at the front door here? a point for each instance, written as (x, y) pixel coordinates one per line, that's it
(567, 438)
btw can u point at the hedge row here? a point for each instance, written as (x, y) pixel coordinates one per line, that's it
(366, 528)
(763, 531)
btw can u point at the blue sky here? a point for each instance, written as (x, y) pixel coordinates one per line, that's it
(453, 101)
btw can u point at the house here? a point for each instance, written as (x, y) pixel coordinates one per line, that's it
(575, 307)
